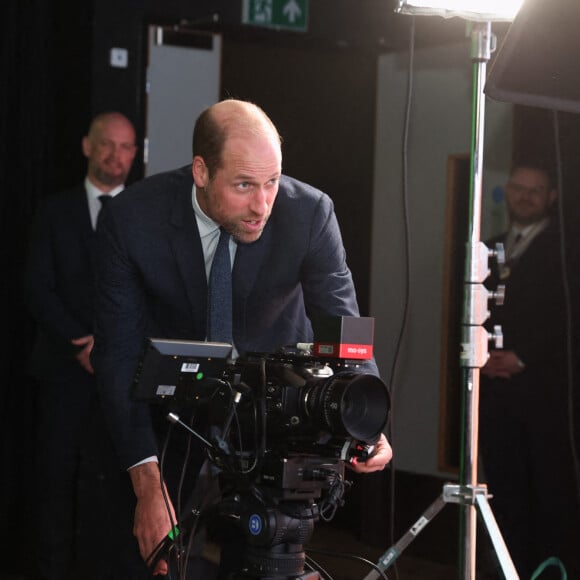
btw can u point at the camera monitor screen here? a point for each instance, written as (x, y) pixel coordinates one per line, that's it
(171, 369)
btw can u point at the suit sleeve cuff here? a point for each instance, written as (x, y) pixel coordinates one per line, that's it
(146, 460)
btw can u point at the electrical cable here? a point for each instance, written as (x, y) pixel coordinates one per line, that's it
(182, 568)
(180, 546)
(568, 302)
(333, 499)
(407, 278)
(263, 411)
(350, 557)
(315, 566)
(151, 558)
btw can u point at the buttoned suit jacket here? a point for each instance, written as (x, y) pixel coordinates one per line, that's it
(60, 282)
(534, 317)
(152, 283)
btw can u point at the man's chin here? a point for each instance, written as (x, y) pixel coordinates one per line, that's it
(244, 237)
(112, 180)
(527, 220)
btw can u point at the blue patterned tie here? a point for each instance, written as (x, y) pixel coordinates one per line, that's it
(219, 313)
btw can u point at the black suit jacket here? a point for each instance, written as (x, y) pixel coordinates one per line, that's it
(534, 316)
(152, 282)
(60, 282)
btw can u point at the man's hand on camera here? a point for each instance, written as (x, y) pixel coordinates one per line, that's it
(376, 462)
(152, 523)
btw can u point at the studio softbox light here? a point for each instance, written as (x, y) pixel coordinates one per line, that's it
(538, 62)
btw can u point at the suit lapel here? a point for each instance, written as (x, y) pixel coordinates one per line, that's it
(186, 246)
(248, 262)
(249, 258)
(83, 223)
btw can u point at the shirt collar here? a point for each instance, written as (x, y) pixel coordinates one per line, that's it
(95, 192)
(205, 224)
(525, 231)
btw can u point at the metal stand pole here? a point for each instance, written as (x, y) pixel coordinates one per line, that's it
(475, 338)
(470, 495)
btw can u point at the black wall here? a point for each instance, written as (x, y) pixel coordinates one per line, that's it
(45, 79)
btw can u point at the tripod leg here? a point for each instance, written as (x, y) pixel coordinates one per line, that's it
(498, 542)
(387, 559)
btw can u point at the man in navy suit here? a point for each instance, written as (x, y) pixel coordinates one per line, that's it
(156, 245)
(60, 287)
(524, 412)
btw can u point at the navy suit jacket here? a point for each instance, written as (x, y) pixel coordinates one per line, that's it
(152, 283)
(60, 282)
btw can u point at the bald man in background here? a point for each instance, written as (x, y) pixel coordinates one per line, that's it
(60, 290)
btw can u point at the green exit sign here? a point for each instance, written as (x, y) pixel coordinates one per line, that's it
(287, 14)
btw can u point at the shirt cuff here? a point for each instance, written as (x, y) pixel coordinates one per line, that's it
(146, 460)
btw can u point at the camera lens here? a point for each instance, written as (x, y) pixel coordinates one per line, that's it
(349, 404)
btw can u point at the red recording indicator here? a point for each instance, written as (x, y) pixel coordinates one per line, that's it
(340, 350)
(348, 337)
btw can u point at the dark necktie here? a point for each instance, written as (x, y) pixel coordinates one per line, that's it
(219, 313)
(104, 199)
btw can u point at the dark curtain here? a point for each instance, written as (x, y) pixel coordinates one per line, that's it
(44, 104)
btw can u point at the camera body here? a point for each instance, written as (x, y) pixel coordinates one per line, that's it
(264, 410)
(307, 402)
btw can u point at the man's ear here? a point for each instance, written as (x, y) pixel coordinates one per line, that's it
(86, 146)
(552, 196)
(200, 172)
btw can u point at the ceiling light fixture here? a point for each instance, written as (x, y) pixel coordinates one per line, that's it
(477, 10)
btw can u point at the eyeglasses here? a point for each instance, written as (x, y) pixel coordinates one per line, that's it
(519, 189)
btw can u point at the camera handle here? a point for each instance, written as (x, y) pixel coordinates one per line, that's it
(174, 418)
(219, 447)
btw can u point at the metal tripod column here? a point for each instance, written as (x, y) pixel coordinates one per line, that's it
(474, 350)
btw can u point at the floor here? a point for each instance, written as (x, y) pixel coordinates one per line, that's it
(433, 554)
(346, 547)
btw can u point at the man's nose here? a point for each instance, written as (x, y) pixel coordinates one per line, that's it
(260, 201)
(115, 150)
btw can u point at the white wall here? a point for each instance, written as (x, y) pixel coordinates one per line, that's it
(440, 126)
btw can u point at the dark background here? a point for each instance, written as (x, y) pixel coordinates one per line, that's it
(319, 88)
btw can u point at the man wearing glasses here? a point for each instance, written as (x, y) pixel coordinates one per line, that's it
(524, 426)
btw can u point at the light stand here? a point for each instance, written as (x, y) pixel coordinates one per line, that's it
(469, 494)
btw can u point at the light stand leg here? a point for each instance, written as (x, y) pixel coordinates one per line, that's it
(389, 557)
(467, 497)
(497, 540)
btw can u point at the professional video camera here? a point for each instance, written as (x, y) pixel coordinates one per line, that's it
(279, 428)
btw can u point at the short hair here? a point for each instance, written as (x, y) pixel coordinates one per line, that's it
(211, 133)
(537, 164)
(209, 138)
